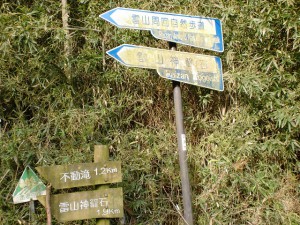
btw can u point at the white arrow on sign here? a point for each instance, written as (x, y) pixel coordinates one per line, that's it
(190, 30)
(195, 69)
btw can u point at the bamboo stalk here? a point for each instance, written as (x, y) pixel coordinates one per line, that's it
(67, 49)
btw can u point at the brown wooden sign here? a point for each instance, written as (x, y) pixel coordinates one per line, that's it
(83, 174)
(104, 203)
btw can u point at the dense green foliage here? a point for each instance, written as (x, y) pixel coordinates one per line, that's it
(243, 143)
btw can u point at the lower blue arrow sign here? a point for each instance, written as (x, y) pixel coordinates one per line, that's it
(190, 68)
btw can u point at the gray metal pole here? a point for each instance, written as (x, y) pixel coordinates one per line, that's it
(182, 151)
(31, 212)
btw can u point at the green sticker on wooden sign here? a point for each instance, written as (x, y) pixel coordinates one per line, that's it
(29, 187)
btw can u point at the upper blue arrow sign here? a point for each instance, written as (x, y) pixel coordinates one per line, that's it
(189, 30)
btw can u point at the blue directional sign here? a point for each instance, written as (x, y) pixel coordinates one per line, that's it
(195, 31)
(190, 68)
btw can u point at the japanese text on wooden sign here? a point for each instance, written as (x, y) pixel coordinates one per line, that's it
(84, 174)
(104, 203)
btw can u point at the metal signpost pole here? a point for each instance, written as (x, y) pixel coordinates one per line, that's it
(32, 211)
(200, 70)
(184, 173)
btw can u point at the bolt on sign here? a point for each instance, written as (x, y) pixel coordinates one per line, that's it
(29, 187)
(103, 203)
(83, 174)
(190, 68)
(195, 31)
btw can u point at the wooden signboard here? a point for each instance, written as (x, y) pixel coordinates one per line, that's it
(83, 174)
(104, 203)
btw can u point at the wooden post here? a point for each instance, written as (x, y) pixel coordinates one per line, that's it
(48, 205)
(101, 154)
